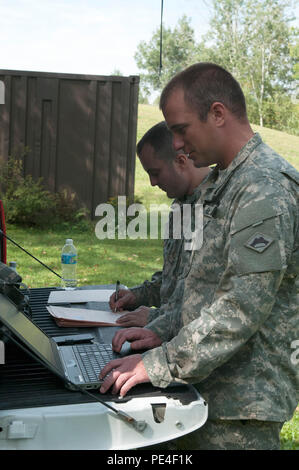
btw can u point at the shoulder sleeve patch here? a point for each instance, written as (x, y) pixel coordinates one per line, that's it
(256, 240)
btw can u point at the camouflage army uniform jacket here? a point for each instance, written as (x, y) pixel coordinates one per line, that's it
(236, 316)
(158, 292)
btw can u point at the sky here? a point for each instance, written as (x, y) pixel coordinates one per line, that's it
(85, 36)
(94, 37)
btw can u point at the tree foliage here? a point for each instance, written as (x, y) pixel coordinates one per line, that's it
(253, 39)
(27, 201)
(179, 51)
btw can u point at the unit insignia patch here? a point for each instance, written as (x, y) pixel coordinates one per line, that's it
(259, 242)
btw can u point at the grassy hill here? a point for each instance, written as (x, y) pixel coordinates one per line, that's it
(285, 144)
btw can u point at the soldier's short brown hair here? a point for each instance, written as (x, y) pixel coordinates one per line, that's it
(160, 138)
(204, 84)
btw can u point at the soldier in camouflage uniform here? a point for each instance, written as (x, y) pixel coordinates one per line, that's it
(236, 315)
(177, 176)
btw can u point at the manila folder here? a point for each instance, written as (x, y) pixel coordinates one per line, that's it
(82, 316)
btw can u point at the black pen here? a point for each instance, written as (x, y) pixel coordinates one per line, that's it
(116, 293)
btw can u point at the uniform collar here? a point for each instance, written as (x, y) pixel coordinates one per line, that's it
(218, 180)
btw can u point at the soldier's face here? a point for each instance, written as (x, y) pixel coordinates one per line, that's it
(196, 138)
(164, 174)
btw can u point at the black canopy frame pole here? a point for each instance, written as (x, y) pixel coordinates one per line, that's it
(161, 38)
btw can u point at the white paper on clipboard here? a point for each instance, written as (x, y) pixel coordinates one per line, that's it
(80, 296)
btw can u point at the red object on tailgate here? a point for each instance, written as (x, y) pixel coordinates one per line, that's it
(2, 239)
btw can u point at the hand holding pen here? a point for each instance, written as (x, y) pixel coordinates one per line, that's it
(116, 293)
(125, 298)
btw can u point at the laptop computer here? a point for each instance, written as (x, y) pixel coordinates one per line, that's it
(77, 359)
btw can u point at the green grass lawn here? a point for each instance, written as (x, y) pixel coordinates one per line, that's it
(130, 261)
(99, 261)
(289, 436)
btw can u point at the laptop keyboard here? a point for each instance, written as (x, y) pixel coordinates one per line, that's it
(92, 358)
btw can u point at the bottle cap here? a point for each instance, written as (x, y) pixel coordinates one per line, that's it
(69, 241)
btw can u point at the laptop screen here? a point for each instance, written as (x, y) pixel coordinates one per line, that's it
(33, 337)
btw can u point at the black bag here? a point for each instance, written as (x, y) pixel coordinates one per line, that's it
(10, 286)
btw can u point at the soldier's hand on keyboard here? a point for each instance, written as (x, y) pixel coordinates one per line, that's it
(140, 339)
(123, 374)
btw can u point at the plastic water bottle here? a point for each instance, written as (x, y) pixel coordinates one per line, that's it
(13, 265)
(69, 265)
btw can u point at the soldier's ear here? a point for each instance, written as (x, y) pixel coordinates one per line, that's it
(218, 112)
(181, 159)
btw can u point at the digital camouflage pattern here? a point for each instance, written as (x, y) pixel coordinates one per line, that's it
(159, 291)
(148, 294)
(234, 311)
